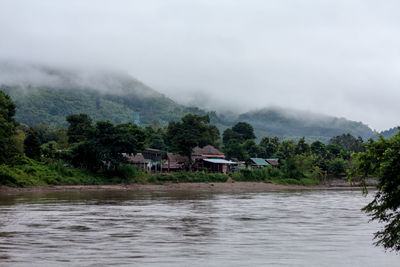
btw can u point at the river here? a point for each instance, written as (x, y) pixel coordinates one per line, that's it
(156, 228)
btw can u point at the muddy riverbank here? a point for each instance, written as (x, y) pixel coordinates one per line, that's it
(218, 187)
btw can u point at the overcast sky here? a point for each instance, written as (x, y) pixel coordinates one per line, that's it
(338, 57)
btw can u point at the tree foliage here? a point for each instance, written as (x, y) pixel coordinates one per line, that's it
(349, 142)
(302, 147)
(382, 159)
(32, 144)
(155, 138)
(239, 142)
(7, 128)
(191, 131)
(79, 127)
(268, 146)
(103, 145)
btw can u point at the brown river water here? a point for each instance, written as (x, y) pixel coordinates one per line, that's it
(156, 228)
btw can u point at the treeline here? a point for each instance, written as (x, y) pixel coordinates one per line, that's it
(99, 147)
(51, 105)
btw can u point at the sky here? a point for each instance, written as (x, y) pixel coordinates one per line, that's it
(336, 57)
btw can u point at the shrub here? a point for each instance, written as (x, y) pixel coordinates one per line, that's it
(188, 177)
(257, 175)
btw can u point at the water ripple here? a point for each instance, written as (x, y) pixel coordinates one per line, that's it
(302, 228)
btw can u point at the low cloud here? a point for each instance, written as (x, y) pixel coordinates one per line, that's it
(334, 57)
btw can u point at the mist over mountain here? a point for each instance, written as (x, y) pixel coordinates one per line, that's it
(47, 95)
(297, 123)
(390, 132)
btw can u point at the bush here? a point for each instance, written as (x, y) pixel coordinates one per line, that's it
(303, 181)
(337, 167)
(7, 176)
(30, 172)
(188, 177)
(257, 175)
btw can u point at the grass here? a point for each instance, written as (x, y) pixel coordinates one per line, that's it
(28, 172)
(188, 177)
(273, 175)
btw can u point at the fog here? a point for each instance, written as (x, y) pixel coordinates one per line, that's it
(334, 57)
(27, 75)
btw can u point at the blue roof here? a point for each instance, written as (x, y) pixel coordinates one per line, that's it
(220, 161)
(260, 161)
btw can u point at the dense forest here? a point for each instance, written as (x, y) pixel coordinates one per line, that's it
(117, 98)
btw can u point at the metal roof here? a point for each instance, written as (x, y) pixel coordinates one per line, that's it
(207, 150)
(220, 161)
(260, 161)
(273, 162)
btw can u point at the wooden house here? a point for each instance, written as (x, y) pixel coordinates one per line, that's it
(174, 162)
(261, 163)
(139, 161)
(273, 162)
(210, 159)
(149, 160)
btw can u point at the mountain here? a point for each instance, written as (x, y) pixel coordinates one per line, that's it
(48, 95)
(389, 133)
(296, 123)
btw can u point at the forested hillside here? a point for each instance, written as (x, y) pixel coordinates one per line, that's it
(52, 105)
(294, 123)
(389, 133)
(49, 95)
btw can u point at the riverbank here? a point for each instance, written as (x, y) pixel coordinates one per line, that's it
(212, 187)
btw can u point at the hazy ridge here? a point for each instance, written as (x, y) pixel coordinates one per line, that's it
(47, 95)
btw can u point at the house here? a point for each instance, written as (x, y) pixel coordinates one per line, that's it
(257, 163)
(139, 161)
(273, 162)
(210, 159)
(174, 162)
(149, 160)
(261, 163)
(207, 152)
(217, 165)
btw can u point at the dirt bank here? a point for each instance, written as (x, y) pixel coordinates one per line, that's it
(213, 187)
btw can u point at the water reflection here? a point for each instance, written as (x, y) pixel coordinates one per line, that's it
(304, 228)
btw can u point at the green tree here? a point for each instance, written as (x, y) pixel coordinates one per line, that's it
(349, 142)
(251, 148)
(302, 147)
(336, 151)
(229, 135)
(47, 134)
(337, 166)
(19, 139)
(240, 132)
(318, 148)
(111, 141)
(268, 146)
(32, 144)
(50, 150)
(234, 149)
(192, 131)
(104, 144)
(245, 130)
(287, 148)
(155, 138)
(7, 128)
(382, 159)
(291, 167)
(79, 127)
